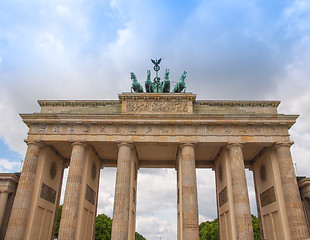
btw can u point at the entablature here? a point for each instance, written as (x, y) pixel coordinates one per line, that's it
(166, 119)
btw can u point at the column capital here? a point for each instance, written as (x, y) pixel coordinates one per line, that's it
(82, 143)
(235, 144)
(5, 191)
(283, 144)
(187, 144)
(31, 142)
(125, 143)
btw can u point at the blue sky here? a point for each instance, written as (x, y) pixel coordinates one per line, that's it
(242, 49)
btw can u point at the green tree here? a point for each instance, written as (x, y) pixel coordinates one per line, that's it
(256, 229)
(210, 230)
(58, 221)
(103, 227)
(139, 237)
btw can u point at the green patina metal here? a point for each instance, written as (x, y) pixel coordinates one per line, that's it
(180, 86)
(158, 86)
(136, 86)
(148, 83)
(166, 83)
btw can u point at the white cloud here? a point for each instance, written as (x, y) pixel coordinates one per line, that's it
(297, 7)
(8, 166)
(49, 42)
(106, 191)
(11, 128)
(224, 59)
(154, 228)
(206, 194)
(63, 11)
(156, 190)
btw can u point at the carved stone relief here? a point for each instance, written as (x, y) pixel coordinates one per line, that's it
(156, 106)
(166, 129)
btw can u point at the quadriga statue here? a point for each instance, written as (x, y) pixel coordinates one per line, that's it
(148, 83)
(135, 86)
(180, 86)
(166, 83)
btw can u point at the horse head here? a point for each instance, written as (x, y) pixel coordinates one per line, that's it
(133, 76)
(167, 74)
(183, 76)
(148, 75)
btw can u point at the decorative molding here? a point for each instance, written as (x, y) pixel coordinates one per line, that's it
(76, 103)
(158, 129)
(170, 103)
(232, 103)
(155, 106)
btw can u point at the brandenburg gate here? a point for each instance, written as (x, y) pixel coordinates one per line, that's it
(157, 129)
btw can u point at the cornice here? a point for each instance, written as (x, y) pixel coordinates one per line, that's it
(198, 119)
(241, 103)
(153, 96)
(157, 96)
(73, 103)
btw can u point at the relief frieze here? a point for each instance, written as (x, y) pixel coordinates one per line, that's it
(156, 106)
(57, 129)
(158, 129)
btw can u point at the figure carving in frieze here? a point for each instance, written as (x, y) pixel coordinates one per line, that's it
(148, 130)
(42, 128)
(133, 129)
(56, 129)
(102, 129)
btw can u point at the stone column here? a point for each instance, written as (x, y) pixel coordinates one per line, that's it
(120, 222)
(70, 209)
(20, 210)
(189, 202)
(294, 209)
(241, 203)
(3, 200)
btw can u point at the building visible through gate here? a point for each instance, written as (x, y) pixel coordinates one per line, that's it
(142, 130)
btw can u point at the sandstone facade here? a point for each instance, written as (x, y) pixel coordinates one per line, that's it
(171, 130)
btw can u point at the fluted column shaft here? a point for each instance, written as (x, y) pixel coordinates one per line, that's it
(189, 206)
(122, 193)
(294, 209)
(3, 200)
(20, 210)
(68, 223)
(241, 203)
